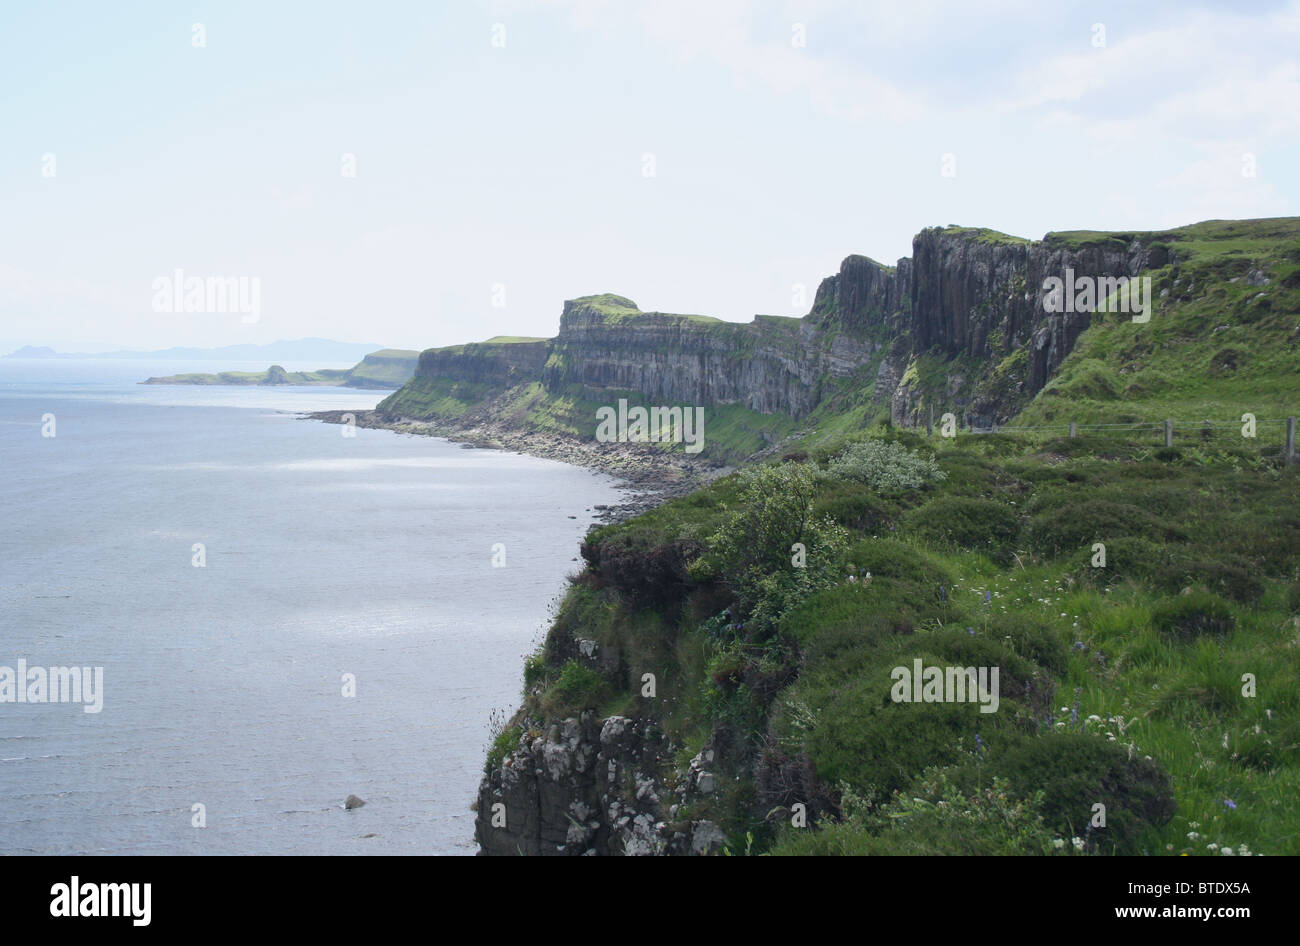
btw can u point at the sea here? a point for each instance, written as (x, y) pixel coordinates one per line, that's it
(283, 615)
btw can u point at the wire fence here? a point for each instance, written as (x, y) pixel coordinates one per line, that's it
(1268, 433)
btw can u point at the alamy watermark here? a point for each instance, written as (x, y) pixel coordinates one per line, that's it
(1098, 294)
(920, 684)
(53, 685)
(87, 899)
(181, 293)
(651, 425)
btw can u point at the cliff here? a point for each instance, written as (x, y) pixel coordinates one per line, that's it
(959, 326)
(770, 722)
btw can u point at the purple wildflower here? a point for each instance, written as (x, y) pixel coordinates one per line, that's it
(1229, 803)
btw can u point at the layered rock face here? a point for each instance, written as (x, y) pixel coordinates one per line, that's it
(985, 298)
(496, 363)
(969, 293)
(865, 296)
(771, 365)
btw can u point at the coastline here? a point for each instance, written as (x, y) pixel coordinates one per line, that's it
(652, 476)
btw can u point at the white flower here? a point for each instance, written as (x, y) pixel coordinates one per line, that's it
(1227, 851)
(1193, 836)
(1078, 843)
(1058, 843)
(1212, 846)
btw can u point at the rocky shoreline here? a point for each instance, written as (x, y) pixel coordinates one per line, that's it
(650, 475)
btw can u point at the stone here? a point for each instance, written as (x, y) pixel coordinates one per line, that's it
(707, 838)
(352, 801)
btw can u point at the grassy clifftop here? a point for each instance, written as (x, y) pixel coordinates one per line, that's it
(1223, 338)
(1160, 680)
(1141, 603)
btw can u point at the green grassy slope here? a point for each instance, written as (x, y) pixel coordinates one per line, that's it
(1142, 603)
(1118, 688)
(1223, 339)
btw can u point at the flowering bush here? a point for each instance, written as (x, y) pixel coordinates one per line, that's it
(885, 466)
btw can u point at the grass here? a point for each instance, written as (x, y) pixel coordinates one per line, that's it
(1105, 669)
(1141, 602)
(985, 235)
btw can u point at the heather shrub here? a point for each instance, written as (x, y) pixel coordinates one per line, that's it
(1186, 617)
(1075, 771)
(982, 525)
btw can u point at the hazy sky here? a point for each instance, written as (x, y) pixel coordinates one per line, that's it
(502, 151)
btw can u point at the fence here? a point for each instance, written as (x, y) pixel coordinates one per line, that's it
(1203, 431)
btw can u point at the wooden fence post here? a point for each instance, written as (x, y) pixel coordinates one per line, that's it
(1169, 433)
(1290, 440)
(929, 426)
(1074, 429)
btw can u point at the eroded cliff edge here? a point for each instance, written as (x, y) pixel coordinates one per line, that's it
(959, 326)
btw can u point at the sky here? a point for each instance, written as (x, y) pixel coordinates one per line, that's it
(418, 174)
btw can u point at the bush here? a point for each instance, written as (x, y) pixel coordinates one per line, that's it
(982, 525)
(1186, 617)
(646, 569)
(864, 738)
(1068, 528)
(884, 465)
(889, 558)
(1075, 771)
(1035, 640)
(1127, 559)
(855, 508)
(754, 550)
(1230, 576)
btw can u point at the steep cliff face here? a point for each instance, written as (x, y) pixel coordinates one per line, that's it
(960, 326)
(865, 297)
(496, 363)
(594, 786)
(972, 299)
(982, 295)
(771, 365)
(386, 368)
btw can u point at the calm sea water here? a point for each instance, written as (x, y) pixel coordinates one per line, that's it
(223, 684)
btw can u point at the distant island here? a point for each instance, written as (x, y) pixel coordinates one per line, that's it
(302, 349)
(388, 368)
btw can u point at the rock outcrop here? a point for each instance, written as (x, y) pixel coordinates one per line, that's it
(592, 786)
(965, 294)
